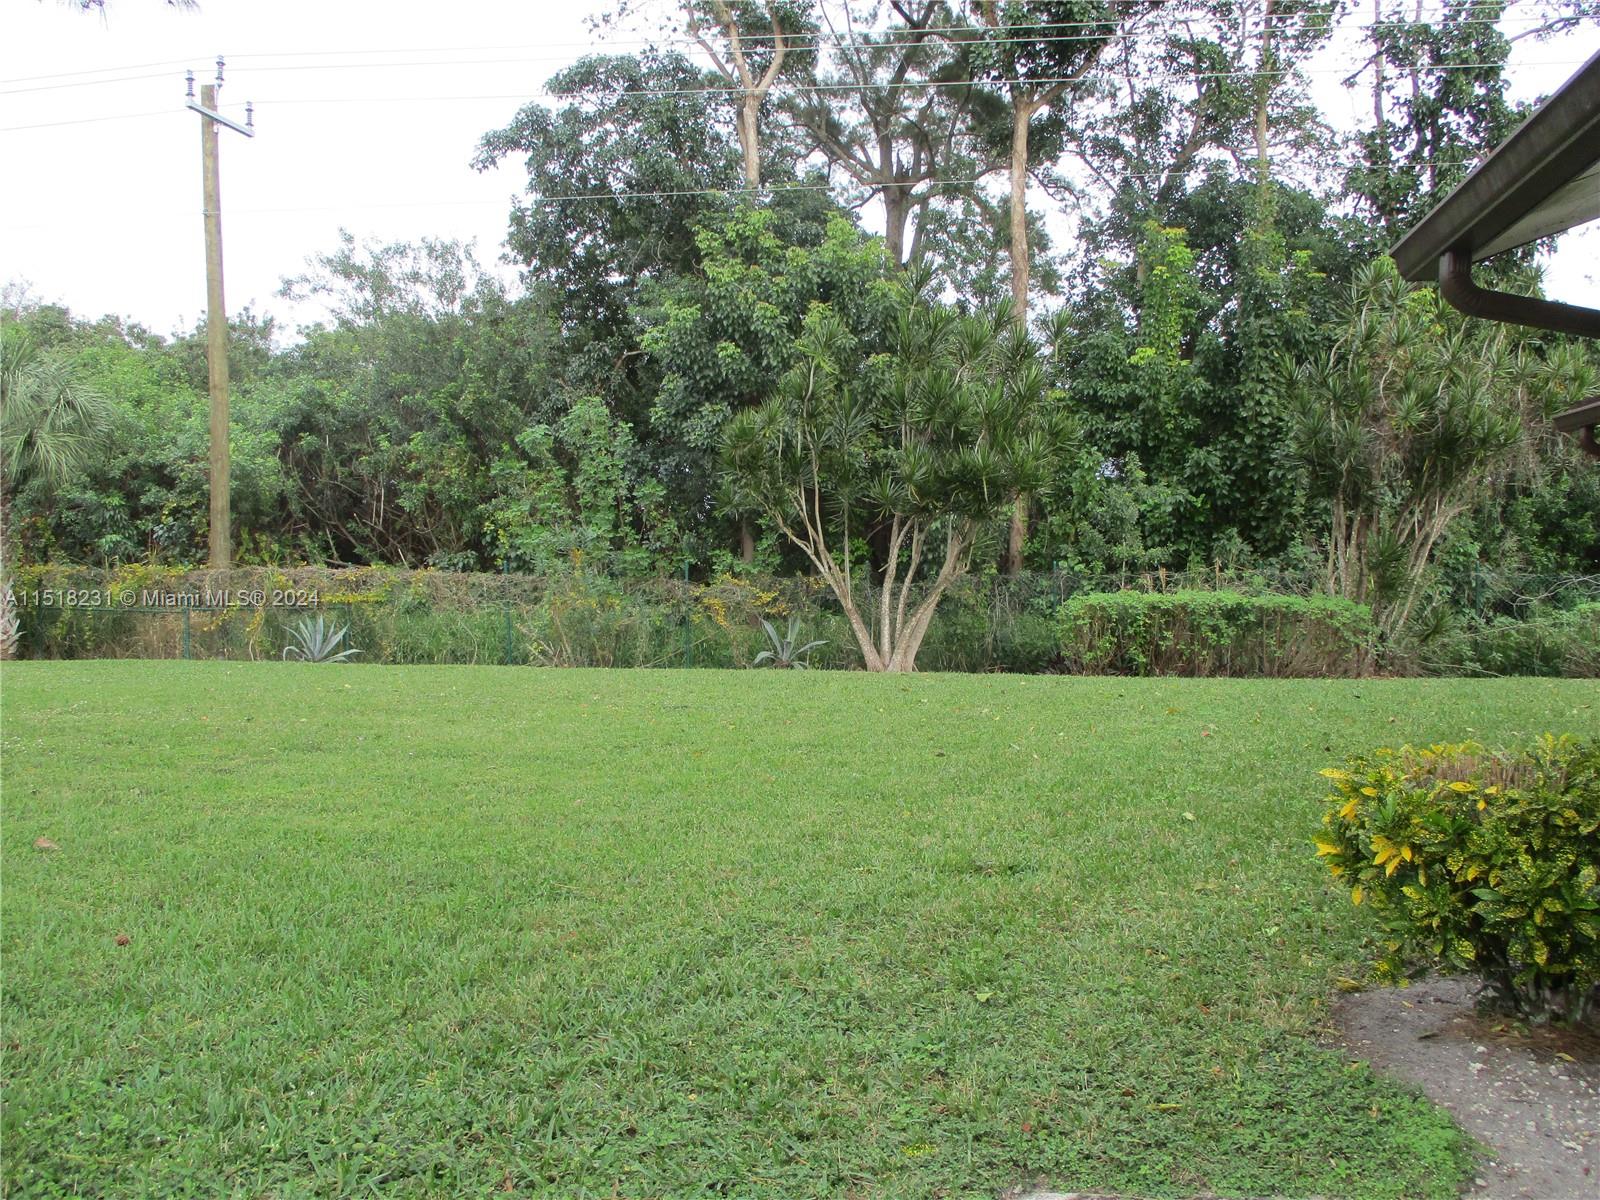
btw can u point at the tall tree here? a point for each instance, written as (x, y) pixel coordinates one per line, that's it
(618, 176)
(934, 440)
(1438, 88)
(748, 43)
(1038, 54)
(895, 112)
(1414, 415)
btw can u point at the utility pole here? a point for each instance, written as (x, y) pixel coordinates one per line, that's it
(221, 540)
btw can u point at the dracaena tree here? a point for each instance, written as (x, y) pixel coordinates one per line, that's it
(932, 434)
(1412, 417)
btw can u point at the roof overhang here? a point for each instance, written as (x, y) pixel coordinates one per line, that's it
(1543, 179)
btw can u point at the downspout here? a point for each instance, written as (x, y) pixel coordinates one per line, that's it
(1457, 287)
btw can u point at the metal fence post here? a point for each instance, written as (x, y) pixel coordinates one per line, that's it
(688, 620)
(505, 570)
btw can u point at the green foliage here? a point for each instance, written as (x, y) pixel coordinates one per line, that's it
(1481, 862)
(50, 414)
(1555, 642)
(722, 335)
(1214, 633)
(928, 442)
(1438, 91)
(616, 176)
(433, 419)
(1405, 424)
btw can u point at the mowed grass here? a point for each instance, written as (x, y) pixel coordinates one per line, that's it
(444, 931)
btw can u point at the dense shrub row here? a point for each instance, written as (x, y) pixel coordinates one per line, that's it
(1215, 633)
(1162, 625)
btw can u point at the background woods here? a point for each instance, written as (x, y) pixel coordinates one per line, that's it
(1217, 376)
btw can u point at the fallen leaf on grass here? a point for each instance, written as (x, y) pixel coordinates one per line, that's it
(45, 843)
(123, 939)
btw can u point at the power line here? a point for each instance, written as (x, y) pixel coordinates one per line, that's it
(732, 89)
(657, 194)
(720, 90)
(155, 112)
(976, 35)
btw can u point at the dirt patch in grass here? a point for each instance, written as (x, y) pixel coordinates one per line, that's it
(1530, 1095)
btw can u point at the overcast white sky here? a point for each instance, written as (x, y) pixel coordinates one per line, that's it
(368, 113)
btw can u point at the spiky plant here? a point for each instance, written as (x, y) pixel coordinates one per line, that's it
(785, 651)
(316, 641)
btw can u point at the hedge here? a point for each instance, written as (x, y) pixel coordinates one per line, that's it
(1214, 633)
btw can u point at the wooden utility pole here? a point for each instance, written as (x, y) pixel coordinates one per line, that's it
(221, 537)
(216, 340)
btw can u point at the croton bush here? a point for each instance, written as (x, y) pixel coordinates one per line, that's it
(1478, 861)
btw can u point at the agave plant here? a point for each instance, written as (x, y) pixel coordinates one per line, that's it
(784, 652)
(316, 641)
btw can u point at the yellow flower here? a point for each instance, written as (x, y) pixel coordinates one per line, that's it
(1355, 894)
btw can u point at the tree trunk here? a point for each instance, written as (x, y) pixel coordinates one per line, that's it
(1021, 114)
(747, 543)
(896, 212)
(1017, 537)
(749, 139)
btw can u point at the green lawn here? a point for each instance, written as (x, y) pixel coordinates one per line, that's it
(435, 931)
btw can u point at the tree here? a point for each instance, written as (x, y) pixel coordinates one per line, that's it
(1439, 97)
(749, 61)
(617, 180)
(50, 419)
(721, 335)
(936, 437)
(1038, 54)
(1413, 416)
(897, 114)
